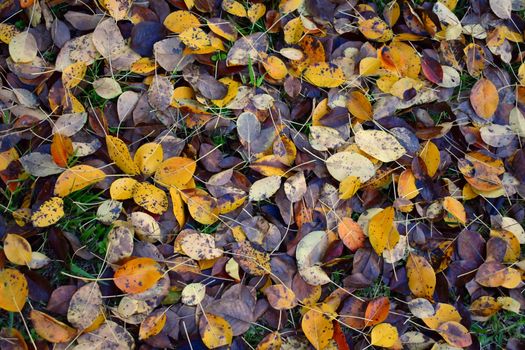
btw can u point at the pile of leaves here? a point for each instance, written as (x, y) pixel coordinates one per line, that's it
(293, 174)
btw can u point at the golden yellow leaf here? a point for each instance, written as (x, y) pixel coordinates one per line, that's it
(178, 206)
(17, 249)
(234, 8)
(215, 331)
(325, 75)
(406, 186)
(152, 325)
(195, 38)
(77, 178)
(148, 158)
(49, 212)
(143, 65)
(175, 171)
(179, 21)
(13, 290)
(455, 208)
(286, 6)
(123, 188)
(431, 157)
(384, 334)
(293, 31)
(7, 32)
(255, 12)
(444, 313)
(73, 74)
(150, 197)
(317, 328)
(421, 276)
(382, 231)
(119, 153)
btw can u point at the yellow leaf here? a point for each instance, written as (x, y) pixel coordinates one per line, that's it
(286, 6)
(122, 189)
(143, 65)
(17, 249)
(293, 31)
(406, 186)
(203, 209)
(234, 8)
(119, 153)
(325, 75)
(77, 178)
(431, 157)
(13, 290)
(215, 331)
(379, 144)
(275, 67)
(178, 206)
(455, 208)
(359, 106)
(179, 21)
(375, 29)
(272, 341)
(151, 198)
(444, 313)
(421, 276)
(73, 74)
(382, 231)
(49, 212)
(148, 158)
(175, 171)
(384, 334)
(255, 12)
(152, 325)
(233, 88)
(349, 186)
(317, 328)
(195, 38)
(7, 32)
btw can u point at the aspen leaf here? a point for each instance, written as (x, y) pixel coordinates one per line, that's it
(421, 276)
(264, 188)
(317, 328)
(152, 325)
(151, 198)
(13, 290)
(49, 212)
(380, 145)
(148, 158)
(137, 275)
(455, 208)
(23, 47)
(179, 21)
(123, 188)
(382, 231)
(119, 153)
(325, 75)
(484, 98)
(203, 209)
(107, 88)
(215, 331)
(85, 306)
(351, 234)
(431, 157)
(51, 329)
(344, 164)
(384, 335)
(175, 171)
(280, 297)
(193, 294)
(455, 334)
(73, 74)
(77, 178)
(348, 187)
(17, 249)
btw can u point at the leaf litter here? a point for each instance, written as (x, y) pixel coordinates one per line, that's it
(273, 175)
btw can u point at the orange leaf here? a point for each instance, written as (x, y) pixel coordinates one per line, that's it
(137, 275)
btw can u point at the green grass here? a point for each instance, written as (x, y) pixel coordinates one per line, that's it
(254, 335)
(496, 332)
